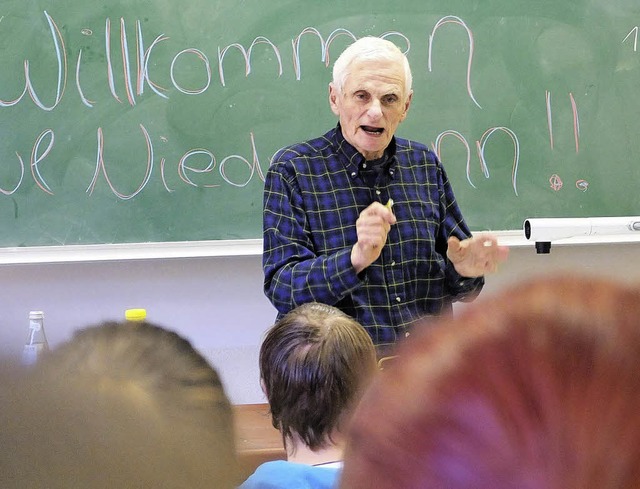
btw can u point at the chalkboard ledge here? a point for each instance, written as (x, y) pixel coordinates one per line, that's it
(221, 248)
(129, 251)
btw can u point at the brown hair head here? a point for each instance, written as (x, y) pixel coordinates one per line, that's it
(313, 364)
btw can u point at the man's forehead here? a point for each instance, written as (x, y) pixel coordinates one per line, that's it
(375, 74)
(360, 82)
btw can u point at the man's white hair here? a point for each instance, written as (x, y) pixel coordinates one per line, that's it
(372, 49)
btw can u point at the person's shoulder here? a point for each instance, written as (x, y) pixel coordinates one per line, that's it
(272, 472)
(306, 149)
(282, 474)
(411, 148)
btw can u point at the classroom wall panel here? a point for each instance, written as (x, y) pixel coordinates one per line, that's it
(218, 304)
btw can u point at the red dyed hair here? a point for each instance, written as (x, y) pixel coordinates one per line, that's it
(535, 388)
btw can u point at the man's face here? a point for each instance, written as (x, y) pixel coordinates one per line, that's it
(371, 105)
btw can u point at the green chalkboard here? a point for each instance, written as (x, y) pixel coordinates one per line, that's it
(154, 120)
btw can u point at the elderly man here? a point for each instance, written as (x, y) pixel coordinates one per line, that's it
(366, 221)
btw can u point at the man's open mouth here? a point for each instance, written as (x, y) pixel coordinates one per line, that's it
(372, 130)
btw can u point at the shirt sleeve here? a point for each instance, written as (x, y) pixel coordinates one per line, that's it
(459, 288)
(294, 273)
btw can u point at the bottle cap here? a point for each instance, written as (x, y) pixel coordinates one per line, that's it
(36, 315)
(135, 314)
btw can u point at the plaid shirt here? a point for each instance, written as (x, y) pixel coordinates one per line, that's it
(314, 193)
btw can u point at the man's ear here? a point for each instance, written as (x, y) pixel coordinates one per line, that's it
(407, 104)
(333, 99)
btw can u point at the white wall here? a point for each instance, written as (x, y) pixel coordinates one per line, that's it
(217, 302)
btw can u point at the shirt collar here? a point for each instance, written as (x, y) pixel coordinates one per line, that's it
(353, 158)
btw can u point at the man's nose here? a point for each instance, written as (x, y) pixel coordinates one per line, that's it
(375, 109)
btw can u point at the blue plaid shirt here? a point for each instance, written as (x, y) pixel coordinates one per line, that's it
(314, 192)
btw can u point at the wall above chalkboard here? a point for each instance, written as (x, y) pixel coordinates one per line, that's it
(154, 120)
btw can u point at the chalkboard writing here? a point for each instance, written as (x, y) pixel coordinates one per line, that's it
(152, 120)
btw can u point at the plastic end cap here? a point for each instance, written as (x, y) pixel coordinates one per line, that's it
(543, 247)
(135, 314)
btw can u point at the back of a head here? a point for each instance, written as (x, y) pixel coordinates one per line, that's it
(535, 388)
(119, 405)
(314, 363)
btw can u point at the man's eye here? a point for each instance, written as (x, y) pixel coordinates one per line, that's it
(390, 99)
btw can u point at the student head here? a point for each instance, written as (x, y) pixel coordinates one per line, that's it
(314, 363)
(119, 405)
(370, 93)
(535, 388)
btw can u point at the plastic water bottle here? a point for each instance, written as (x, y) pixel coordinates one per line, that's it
(136, 315)
(36, 339)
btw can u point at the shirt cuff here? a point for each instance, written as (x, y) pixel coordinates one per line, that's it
(459, 288)
(340, 274)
